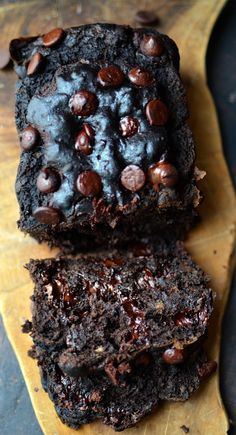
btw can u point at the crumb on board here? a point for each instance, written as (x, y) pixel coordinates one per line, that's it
(185, 429)
(26, 327)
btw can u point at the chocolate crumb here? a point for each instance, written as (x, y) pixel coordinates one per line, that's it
(185, 429)
(26, 327)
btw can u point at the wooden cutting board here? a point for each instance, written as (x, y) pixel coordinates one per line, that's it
(211, 244)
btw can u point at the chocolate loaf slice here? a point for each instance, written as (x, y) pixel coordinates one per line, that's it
(82, 399)
(107, 155)
(98, 311)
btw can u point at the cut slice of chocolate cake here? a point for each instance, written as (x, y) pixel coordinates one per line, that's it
(107, 155)
(100, 311)
(82, 399)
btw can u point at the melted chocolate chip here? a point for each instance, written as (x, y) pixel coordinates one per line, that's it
(47, 215)
(53, 37)
(83, 103)
(146, 17)
(131, 309)
(162, 173)
(144, 359)
(89, 183)
(183, 320)
(173, 356)
(112, 262)
(69, 299)
(48, 180)
(29, 138)
(157, 112)
(140, 77)
(34, 64)
(128, 126)
(133, 178)
(111, 76)
(151, 46)
(83, 143)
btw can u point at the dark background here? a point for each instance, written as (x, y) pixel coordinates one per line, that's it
(16, 413)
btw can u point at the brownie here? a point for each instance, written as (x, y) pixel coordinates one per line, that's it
(106, 309)
(107, 155)
(82, 399)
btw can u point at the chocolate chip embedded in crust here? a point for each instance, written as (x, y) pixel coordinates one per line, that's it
(53, 37)
(48, 180)
(207, 369)
(173, 356)
(162, 173)
(4, 58)
(111, 76)
(47, 215)
(128, 126)
(157, 112)
(83, 143)
(133, 178)
(89, 183)
(83, 103)
(29, 138)
(34, 64)
(140, 77)
(146, 17)
(151, 46)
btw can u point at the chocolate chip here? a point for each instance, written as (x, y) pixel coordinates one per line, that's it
(128, 126)
(69, 299)
(146, 17)
(133, 178)
(47, 215)
(34, 64)
(4, 58)
(173, 356)
(157, 112)
(151, 46)
(29, 138)
(140, 77)
(206, 369)
(83, 143)
(89, 130)
(144, 359)
(48, 180)
(183, 320)
(162, 173)
(53, 37)
(111, 76)
(89, 183)
(83, 103)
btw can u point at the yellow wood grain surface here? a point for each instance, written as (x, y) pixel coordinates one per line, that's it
(211, 243)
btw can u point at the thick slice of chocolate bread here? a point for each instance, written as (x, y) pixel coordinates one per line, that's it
(107, 155)
(100, 309)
